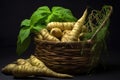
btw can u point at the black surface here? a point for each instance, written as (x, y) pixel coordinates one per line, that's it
(110, 72)
(12, 12)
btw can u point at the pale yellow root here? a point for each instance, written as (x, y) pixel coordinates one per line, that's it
(66, 32)
(81, 36)
(83, 32)
(45, 70)
(23, 62)
(31, 67)
(61, 25)
(14, 68)
(25, 71)
(56, 32)
(8, 69)
(74, 34)
(47, 36)
(40, 37)
(84, 29)
(20, 62)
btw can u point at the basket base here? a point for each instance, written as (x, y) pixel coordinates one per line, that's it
(69, 69)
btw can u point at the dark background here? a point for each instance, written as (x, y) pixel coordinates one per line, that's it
(12, 12)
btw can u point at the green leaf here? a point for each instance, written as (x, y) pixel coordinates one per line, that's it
(40, 15)
(24, 33)
(22, 47)
(38, 21)
(37, 28)
(64, 13)
(61, 14)
(103, 32)
(25, 22)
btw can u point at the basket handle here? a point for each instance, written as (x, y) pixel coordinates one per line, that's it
(100, 27)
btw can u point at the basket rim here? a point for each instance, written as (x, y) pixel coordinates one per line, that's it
(73, 42)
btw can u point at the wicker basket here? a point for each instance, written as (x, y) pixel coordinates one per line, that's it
(64, 57)
(68, 57)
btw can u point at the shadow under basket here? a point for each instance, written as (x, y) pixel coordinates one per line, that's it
(71, 57)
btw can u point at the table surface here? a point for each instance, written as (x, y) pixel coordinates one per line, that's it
(112, 71)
